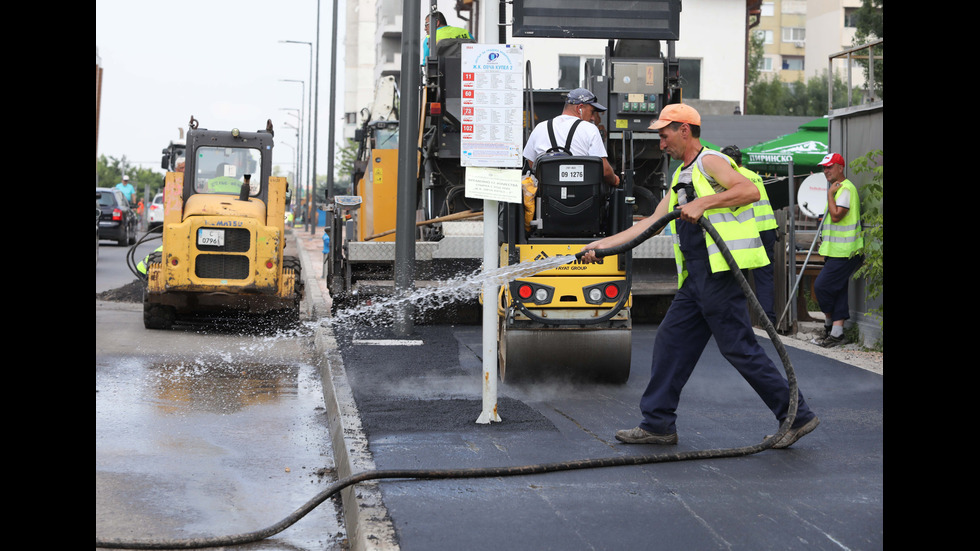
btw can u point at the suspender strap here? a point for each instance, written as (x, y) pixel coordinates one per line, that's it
(568, 139)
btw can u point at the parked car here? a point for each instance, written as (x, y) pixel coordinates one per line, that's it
(155, 212)
(98, 216)
(118, 222)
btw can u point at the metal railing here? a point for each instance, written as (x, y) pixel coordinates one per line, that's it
(862, 52)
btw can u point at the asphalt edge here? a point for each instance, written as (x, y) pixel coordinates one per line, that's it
(366, 518)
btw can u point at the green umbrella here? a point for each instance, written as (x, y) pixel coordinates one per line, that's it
(806, 148)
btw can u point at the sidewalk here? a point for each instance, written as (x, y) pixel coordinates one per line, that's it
(367, 522)
(310, 247)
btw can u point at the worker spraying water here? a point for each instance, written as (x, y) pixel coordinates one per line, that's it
(709, 301)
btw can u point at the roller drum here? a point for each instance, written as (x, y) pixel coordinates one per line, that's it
(572, 354)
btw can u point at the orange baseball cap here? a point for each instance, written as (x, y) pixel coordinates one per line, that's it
(676, 112)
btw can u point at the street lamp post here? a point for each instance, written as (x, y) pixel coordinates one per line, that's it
(290, 146)
(300, 116)
(310, 143)
(333, 101)
(299, 143)
(298, 150)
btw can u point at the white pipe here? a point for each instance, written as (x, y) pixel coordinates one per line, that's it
(489, 35)
(490, 289)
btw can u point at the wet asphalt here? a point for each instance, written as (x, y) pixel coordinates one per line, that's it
(397, 403)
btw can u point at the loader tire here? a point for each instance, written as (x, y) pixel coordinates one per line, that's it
(291, 317)
(293, 263)
(158, 316)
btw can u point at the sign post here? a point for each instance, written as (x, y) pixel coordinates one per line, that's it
(491, 152)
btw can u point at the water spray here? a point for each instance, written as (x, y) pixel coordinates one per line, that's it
(442, 474)
(465, 286)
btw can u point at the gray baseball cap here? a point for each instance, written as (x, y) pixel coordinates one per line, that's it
(581, 95)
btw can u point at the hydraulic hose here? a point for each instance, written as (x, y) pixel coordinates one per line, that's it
(131, 260)
(542, 468)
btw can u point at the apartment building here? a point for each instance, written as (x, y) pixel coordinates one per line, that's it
(800, 35)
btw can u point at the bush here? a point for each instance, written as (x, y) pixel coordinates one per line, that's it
(872, 218)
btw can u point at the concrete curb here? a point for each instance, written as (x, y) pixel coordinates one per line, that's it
(365, 515)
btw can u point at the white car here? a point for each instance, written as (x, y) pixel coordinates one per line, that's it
(155, 214)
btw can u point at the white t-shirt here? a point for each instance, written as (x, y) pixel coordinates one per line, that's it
(585, 142)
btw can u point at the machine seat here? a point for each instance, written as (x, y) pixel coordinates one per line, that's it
(573, 196)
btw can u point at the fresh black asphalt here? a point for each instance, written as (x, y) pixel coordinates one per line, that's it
(418, 405)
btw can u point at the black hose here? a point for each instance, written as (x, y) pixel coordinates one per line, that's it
(131, 261)
(653, 230)
(441, 474)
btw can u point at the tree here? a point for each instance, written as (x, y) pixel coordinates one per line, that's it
(109, 172)
(802, 99)
(756, 54)
(765, 97)
(870, 27)
(346, 156)
(870, 21)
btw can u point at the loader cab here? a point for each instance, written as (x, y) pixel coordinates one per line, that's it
(225, 170)
(383, 135)
(218, 162)
(375, 179)
(372, 136)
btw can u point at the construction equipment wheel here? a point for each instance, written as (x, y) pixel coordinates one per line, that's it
(290, 317)
(293, 263)
(575, 355)
(158, 316)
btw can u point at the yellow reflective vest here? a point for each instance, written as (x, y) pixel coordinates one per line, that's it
(442, 33)
(736, 226)
(143, 264)
(845, 238)
(764, 217)
(223, 184)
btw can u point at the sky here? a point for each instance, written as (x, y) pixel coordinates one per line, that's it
(220, 61)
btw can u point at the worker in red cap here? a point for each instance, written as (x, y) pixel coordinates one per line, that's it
(842, 243)
(709, 300)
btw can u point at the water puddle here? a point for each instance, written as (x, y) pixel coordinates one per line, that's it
(219, 386)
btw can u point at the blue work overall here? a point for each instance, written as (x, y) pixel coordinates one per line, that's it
(708, 304)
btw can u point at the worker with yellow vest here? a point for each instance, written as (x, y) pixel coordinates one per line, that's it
(765, 220)
(443, 31)
(709, 301)
(145, 263)
(842, 243)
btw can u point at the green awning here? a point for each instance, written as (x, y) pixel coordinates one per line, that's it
(806, 148)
